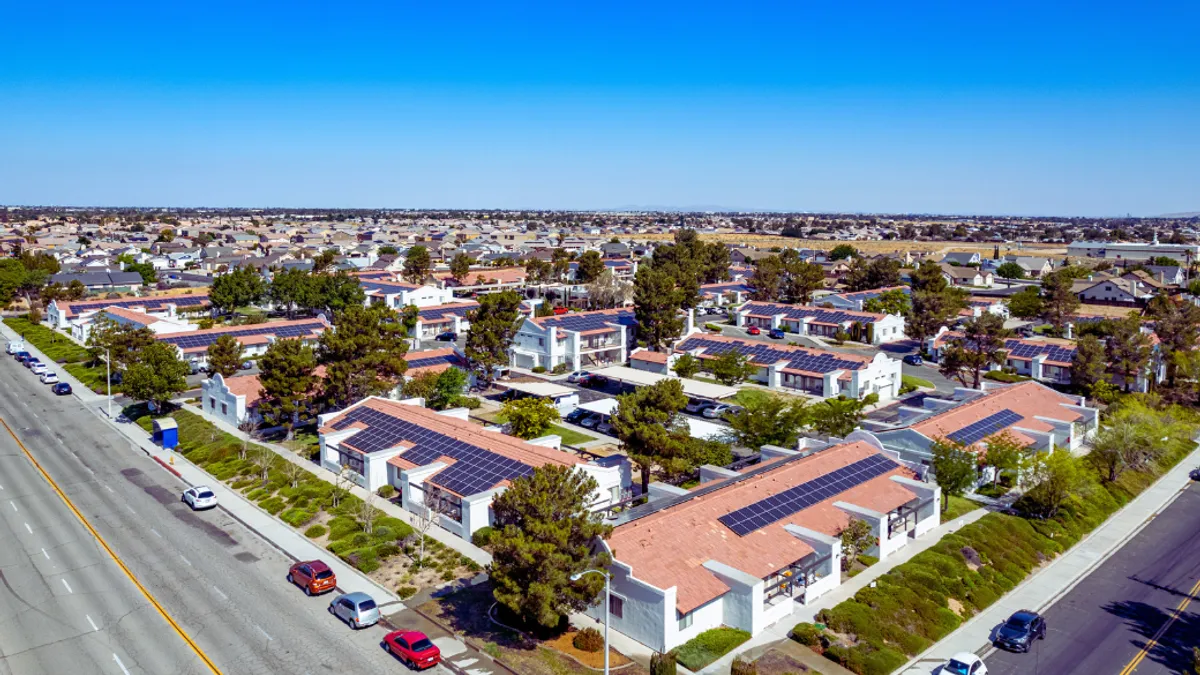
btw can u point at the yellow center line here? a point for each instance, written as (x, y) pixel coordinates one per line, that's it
(66, 500)
(1183, 604)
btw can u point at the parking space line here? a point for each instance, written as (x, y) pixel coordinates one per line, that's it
(27, 527)
(156, 533)
(122, 665)
(90, 622)
(269, 638)
(45, 554)
(67, 585)
(14, 505)
(218, 592)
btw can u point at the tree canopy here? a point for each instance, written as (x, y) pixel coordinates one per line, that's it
(982, 345)
(156, 375)
(1010, 270)
(529, 417)
(954, 468)
(493, 325)
(289, 383)
(839, 416)
(648, 424)
(417, 264)
(225, 356)
(239, 287)
(768, 419)
(363, 355)
(732, 368)
(656, 306)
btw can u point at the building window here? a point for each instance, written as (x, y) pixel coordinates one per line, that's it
(616, 606)
(224, 409)
(685, 620)
(212, 403)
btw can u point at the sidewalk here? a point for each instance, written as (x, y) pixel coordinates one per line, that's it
(779, 630)
(1054, 580)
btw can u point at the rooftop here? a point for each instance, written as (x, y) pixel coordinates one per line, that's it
(1025, 402)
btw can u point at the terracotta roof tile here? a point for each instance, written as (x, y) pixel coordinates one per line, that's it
(1027, 399)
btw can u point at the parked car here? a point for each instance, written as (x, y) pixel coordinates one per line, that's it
(200, 497)
(695, 405)
(39, 368)
(413, 648)
(753, 330)
(605, 426)
(448, 336)
(15, 346)
(578, 377)
(49, 377)
(964, 663)
(313, 576)
(22, 356)
(596, 381)
(559, 311)
(777, 333)
(358, 610)
(590, 421)
(31, 361)
(1022, 628)
(1195, 474)
(718, 411)
(576, 415)
(247, 365)
(61, 389)
(914, 360)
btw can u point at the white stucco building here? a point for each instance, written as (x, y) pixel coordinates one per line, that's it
(578, 339)
(822, 322)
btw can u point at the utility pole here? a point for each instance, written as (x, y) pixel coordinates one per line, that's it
(108, 378)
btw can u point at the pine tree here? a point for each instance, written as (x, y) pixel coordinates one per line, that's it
(493, 325)
(656, 306)
(225, 356)
(647, 422)
(288, 383)
(417, 264)
(363, 354)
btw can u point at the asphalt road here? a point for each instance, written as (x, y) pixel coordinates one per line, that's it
(1108, 619)
(67, 607)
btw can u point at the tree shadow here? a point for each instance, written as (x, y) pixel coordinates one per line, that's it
(1173, 649)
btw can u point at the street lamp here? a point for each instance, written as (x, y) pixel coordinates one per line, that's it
(607, 604)
(108, 378)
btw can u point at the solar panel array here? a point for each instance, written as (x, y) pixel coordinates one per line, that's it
(874, 293)
(583, 321)
(822, 315)
(474, 470)
(716, 289)
(793, 500)
(426, 361)
(150, 304)
(205, 338)
(430, 314)
(1027, 351)
(977, 431)
(385, 287)
(764, 353)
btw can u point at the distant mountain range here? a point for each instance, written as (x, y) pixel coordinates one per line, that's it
(1188, 214)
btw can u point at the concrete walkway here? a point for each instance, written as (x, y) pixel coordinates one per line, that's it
(778, 632)
(1048, 584)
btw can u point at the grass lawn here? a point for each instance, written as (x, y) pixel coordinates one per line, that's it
(91, 376)
(570, 436)
(958, 506)
(709, 646)
(916, 381)
(57, 347)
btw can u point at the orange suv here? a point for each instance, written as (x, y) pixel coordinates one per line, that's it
(313, 576)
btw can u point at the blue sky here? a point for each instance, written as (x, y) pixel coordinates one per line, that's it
(1017, 108)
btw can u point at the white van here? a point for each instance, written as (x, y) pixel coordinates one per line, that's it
(15, 346)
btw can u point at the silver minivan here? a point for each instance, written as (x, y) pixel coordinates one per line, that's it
(358, 610)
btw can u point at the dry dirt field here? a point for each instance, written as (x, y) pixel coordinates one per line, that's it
(879, 246)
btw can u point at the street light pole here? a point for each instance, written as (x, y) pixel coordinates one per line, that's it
(607, 604)
(108, 378)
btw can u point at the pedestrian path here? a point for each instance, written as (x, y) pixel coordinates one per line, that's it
(1054, 580)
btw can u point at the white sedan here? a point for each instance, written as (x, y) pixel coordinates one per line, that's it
(38, 368)
(49, 378)
(964, 663)
(200, 497)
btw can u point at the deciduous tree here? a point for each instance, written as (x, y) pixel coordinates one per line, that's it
(839, 416)
(1026, 303)
(981, 346)
(857, 538)
(1010, 270)
(156, 375)
(1128, 349)
(240, 287)
(529, 417)
(686, 365)
(732, 368)
(768, 419)
(895, 301)
(546, 534)
(954, 468)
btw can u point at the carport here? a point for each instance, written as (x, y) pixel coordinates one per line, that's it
(645, 378)
(564, 398)
(701, 429)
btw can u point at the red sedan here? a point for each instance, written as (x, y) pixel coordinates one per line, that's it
(413, 648)
(753, 330)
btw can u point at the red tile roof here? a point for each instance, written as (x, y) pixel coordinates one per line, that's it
(669, 548)
(1027, 399)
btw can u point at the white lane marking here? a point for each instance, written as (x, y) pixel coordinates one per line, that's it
(1, 487)
(45, 554)
(156, 533)
(109, 489)
(189, 562)
(34, 414)
(27, 527)
(24, 404)
(67, 585)
(131, 509)
(60, 441)
(93, 623)
(122, 665)
(218, 592)
(269, 638)
(14, 505)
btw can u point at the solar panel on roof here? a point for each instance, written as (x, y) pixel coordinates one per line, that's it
(981, 429)
(425, 361)
(766, 354)
(793, 500)
(474, 470)
(203, 339)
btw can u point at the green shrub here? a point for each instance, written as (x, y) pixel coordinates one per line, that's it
(315, 531)
(469, 402)
(588, 640)
(709, 646)
(297, 517)
(1001, 376)
(406, 592)
(482, 537)
(806, 634)
(387, 491)
(448, 575)
(257, 494)
(716, 329)
(273, 505)
(561, 369)
(396, 527)
(538, 369)
(387, 550)
(342, 527)
(663, 664)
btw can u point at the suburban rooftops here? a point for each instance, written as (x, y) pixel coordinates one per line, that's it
(149, 304)
(439, 313)
(1018, 405)
(799, 359)
(833, 317)
(252, 334)
(588, 321)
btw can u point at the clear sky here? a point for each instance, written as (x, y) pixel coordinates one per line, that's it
(1015, 108)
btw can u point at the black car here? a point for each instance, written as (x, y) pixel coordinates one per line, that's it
(61, 389)
(1022, 628)
(1195, 474)
(576, 415)
(448, 336)
(914, 360)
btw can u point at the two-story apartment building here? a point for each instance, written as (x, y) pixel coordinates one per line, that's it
(397, 295)
(1043, 359)
(821, 322)
(254, 338)
(76, 316)
(443, 460)
(578, 339)
(814, 372)
(436, 319)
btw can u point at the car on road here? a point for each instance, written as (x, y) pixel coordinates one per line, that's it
(718, 411)
(596, 381)
(15, 346)
(200, 497)
(39, 368)
(448, 336)
(559, 311)
(753, 330)
(61, 389)
(358, 610)
(579, 377)
(1195, 474)
(31, 361)
(1022, 628)
(413, 648)
(914, 360)
(964, 663)
(49, 377)
(313, 576)
(21, 357)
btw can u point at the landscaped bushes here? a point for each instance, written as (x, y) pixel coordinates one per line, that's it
(709, 646)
